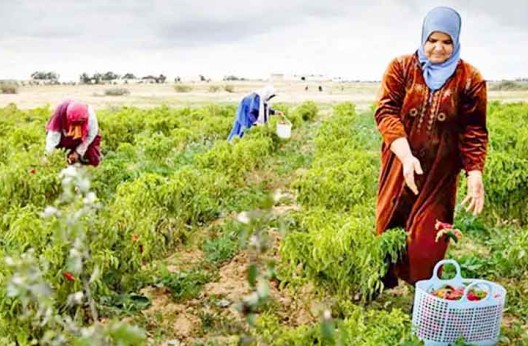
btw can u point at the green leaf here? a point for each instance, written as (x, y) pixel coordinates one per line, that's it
(252, 275)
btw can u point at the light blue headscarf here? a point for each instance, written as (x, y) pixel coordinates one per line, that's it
(446, 20)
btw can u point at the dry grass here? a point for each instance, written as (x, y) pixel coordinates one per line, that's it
(152, 95)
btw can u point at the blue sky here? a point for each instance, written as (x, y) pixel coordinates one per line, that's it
(348, 39)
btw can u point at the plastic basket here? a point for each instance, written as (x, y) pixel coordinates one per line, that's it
(284, 129)
(439, 322)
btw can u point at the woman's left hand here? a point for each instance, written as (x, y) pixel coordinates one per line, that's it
(475, 195)
(73, 158)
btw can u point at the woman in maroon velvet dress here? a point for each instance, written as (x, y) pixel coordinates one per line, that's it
(73, 126)
(431, 113)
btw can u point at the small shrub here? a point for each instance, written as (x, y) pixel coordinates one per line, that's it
(229, 88)
(8, 88)
(306, 111)
(508, 85)
(214, 88)
(221, 249)
(184, 285)
(116, 92)
(182, 88)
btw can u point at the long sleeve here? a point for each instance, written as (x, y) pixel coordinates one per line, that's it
(474, 136)
(52, 140)
(390, 100)
(93, 130)
(254, 109)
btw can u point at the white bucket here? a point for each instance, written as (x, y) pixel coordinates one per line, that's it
(284, 129)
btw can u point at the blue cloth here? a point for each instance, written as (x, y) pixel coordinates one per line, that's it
(446, 20)
(246, 115)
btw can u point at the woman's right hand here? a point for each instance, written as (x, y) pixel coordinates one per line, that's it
(400, 147)
(410, 166)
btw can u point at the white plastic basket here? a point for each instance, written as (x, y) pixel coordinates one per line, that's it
(284, 129)
(441, 322)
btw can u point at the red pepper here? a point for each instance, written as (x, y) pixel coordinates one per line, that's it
(69, 276)
(439, 225)
(472, 297)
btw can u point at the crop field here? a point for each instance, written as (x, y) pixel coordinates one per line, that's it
(180, 238)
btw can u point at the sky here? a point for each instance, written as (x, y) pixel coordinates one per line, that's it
(352, 40)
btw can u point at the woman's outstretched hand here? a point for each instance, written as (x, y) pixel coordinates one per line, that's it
(475, 194)
(411, 165)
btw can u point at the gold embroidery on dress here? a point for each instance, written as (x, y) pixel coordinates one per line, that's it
(435, 106)
(468, 84)
(425, 98)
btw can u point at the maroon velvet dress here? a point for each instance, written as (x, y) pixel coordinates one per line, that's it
(446, 130)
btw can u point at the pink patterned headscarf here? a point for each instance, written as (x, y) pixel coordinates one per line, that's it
(72, 117)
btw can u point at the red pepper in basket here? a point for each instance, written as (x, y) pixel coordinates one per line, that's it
(450, 293)
(472, 297)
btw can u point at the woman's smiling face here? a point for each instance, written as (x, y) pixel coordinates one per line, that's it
(438, 47)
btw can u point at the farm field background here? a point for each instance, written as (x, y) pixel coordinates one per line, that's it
(185, 226)
(362, 94)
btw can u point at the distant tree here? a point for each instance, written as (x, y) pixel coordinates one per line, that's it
(161, 79)
(233, 78)
(149, 79)
(109, 76)
(177, 79)
(129, 76)
(202, 78)
(41, 75)
(85, 78)
(97, 77)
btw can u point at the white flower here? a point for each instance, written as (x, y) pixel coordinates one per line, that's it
(49, 212)
(9, 261)
(254, 240)
(75, 298)
(84, 184)
(277, 195)
(70, 171)
(243, 217)
(17, 280)
(90, 198)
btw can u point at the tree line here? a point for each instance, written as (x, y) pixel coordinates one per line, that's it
(96, 78)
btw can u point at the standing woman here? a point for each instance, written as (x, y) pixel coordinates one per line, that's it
(431, 113)
(74, 127)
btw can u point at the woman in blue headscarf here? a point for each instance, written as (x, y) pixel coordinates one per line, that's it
(254, 108)
(431, 113)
